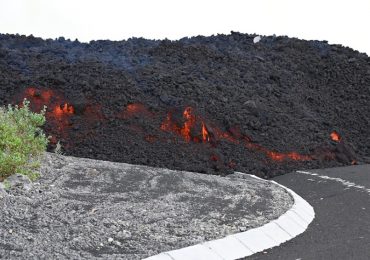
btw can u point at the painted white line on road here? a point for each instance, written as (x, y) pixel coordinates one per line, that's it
(347, 184)
(289, 225)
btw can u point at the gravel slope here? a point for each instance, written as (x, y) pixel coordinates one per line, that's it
(82, 208)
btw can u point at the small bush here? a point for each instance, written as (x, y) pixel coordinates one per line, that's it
(22, 141)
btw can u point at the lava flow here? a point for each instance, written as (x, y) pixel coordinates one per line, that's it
(58, 110)
(335, 136)
(38, 98)
(188, 131)
(189, 126)
(66, 109)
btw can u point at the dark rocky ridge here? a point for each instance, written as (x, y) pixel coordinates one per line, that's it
(285, 94)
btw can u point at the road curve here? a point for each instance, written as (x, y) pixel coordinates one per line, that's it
(289, 225)
(341, 228)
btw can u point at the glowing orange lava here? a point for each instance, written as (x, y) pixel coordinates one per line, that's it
(63, 110)
(205, 134)
(186, 129)
(335, 136)
(276, 156)
(169, 126)
(226, 136)
(285, 156)
(190, 127)
(191, 121)
(44, 95)
(58, 111)
(38, 98)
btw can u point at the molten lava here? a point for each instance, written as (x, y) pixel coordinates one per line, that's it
(276, 156)
(169, 126)
(38, 98)
(335, 136)
(234, 136)
(190, 127)
(285, 156)
(219, 134)
(190, 121)
(60, 111)
(205, 134)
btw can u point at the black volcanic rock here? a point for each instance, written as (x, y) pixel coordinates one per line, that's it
(286, 95)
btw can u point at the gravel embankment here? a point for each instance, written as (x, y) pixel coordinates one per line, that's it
(82, 208)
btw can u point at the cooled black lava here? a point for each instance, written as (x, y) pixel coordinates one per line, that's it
(265, 108)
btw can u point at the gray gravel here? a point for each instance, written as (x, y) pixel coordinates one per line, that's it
(82, 208)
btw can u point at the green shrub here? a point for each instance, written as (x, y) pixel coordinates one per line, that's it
(22, 141)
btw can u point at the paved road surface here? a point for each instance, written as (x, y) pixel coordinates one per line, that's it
(341, 229)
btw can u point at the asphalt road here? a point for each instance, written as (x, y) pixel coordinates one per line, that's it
(341, 229)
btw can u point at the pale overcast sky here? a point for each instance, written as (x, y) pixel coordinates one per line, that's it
(338, 21)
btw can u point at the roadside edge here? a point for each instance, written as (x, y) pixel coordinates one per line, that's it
(289, 225)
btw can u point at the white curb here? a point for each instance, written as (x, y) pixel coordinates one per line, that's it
(289, 225)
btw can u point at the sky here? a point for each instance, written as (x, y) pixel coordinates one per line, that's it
(337, 21)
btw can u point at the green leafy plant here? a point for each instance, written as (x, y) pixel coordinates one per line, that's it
(6, 184)
(22, 141)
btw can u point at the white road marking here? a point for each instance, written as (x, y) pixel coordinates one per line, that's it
(347, 184)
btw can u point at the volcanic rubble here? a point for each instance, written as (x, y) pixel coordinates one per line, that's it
(214, 104)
